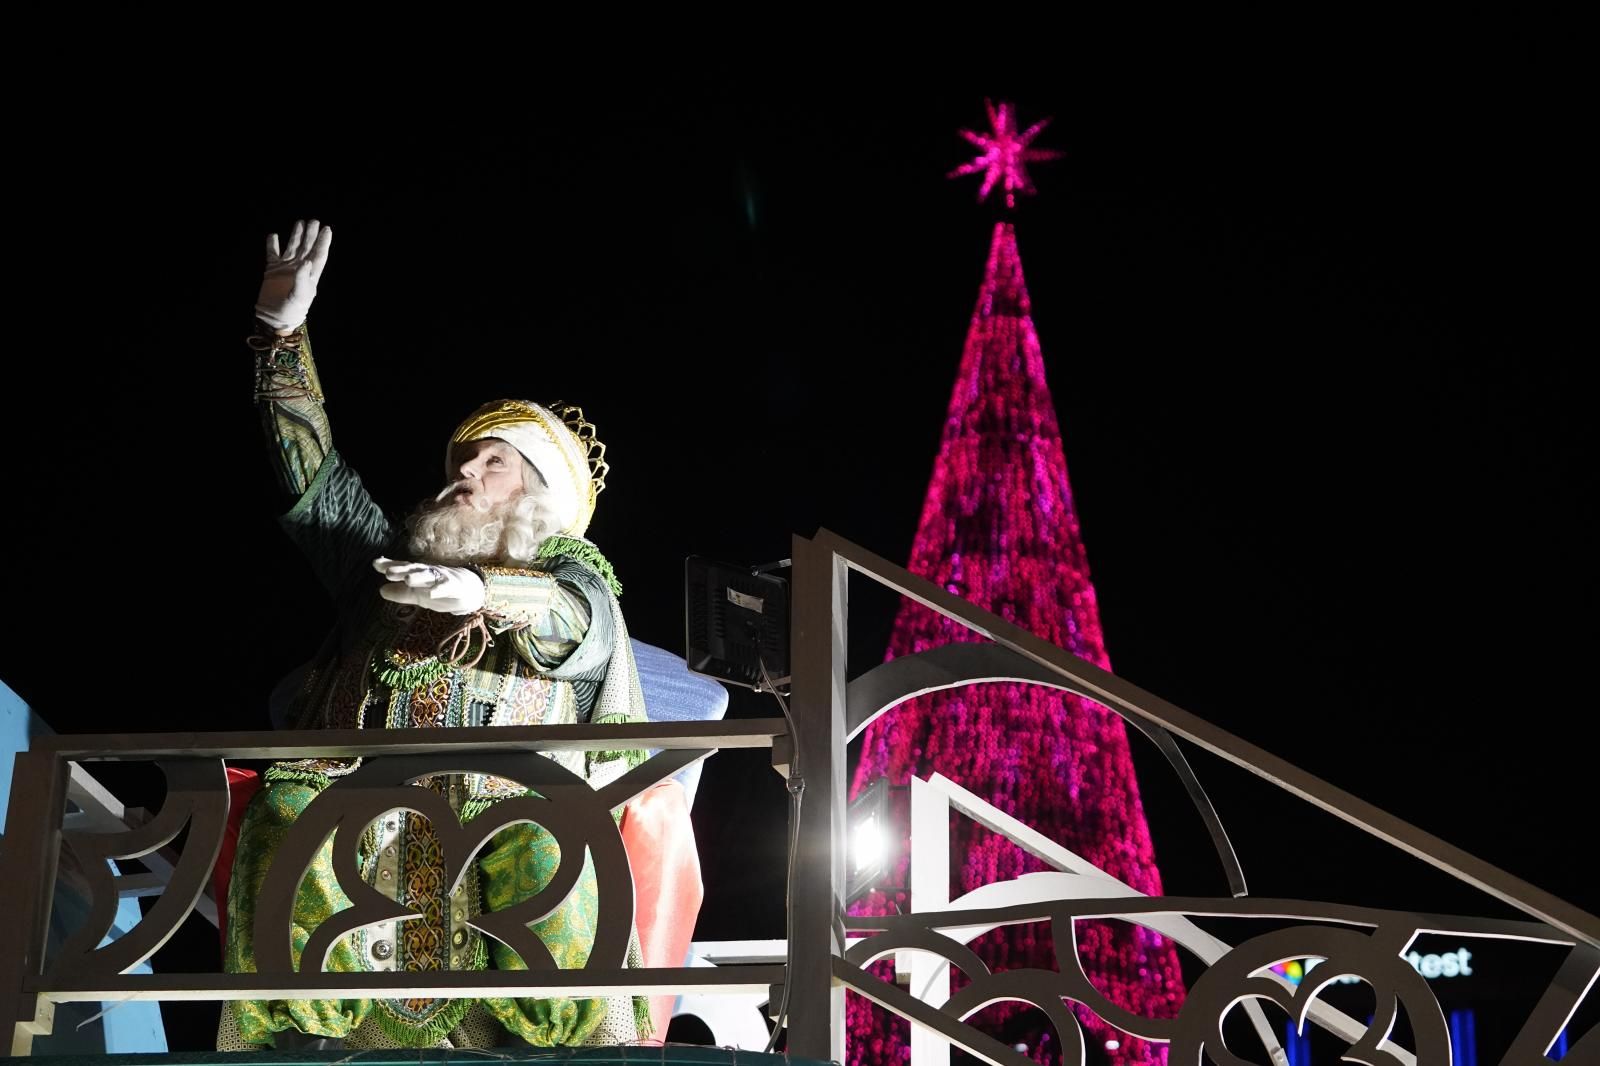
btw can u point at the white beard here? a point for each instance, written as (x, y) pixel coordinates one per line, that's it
(508, 533)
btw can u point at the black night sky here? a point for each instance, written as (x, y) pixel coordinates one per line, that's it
(1314, 344)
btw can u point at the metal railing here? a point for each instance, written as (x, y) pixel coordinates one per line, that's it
(821, 957)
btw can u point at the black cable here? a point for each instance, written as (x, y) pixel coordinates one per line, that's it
(796, 786)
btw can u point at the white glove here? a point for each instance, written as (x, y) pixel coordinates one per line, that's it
(446, 589)
(289, 283)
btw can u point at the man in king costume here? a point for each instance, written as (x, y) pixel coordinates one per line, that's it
(493, 611)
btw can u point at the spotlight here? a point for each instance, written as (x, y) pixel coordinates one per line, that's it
(868, 822)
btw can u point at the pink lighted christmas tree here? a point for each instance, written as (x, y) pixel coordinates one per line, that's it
(999, 528)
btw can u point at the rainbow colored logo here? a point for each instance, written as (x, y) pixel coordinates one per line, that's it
(1291, 969)
(1296, 969)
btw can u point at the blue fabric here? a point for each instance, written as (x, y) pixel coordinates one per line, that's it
(126, 1026)
(673, 694)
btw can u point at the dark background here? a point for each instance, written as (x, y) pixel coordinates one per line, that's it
(1313, 328)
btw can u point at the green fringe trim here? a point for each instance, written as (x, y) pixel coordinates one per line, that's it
(407, 1033)
(426, 1034)
(635, 756)
(279, 772)
(617, 719)
(412, 676)
(632, 754)
(583, 552)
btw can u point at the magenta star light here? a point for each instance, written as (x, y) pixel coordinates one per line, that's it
(1004, 154)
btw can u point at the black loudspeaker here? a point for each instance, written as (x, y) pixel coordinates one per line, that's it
(736, 621)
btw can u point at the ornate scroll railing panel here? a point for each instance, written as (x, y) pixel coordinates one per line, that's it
(1342, 944)
(578, 816)
(826, 953)
(1369, 944)
(1347, 942)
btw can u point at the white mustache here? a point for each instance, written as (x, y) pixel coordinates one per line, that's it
(475, 499)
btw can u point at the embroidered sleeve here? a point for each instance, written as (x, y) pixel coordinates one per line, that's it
(339, 527)
(333, 519)
(289, 404)
(550, 617)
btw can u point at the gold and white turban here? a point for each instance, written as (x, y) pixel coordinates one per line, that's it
(560, 444)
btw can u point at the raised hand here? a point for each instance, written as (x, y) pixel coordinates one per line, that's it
(289, 283)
